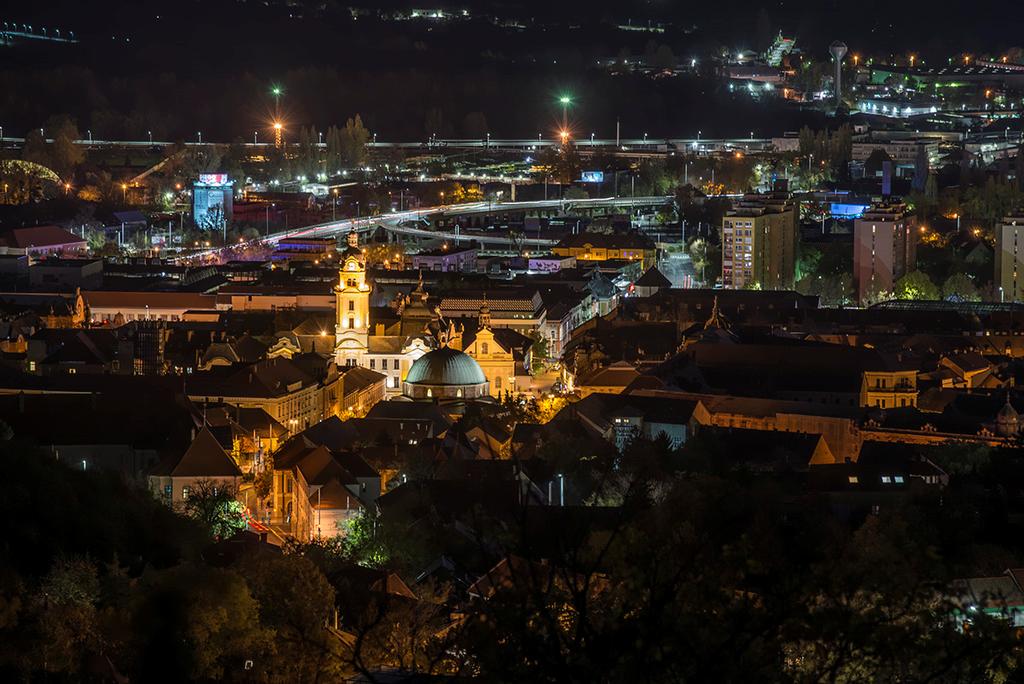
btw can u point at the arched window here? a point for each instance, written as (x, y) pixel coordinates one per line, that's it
(458, 392)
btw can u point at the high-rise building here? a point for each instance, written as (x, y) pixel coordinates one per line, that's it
(1010, 258)
(884, 249)
(759, 236)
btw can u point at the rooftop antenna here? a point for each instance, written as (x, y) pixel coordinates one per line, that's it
(838, 50)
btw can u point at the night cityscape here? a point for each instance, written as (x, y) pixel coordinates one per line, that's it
(637, 341)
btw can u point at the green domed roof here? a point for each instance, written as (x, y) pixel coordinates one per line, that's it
(445, 366)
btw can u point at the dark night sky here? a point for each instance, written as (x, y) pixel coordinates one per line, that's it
(178, 67)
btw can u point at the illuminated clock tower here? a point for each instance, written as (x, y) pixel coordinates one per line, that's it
(352, 312)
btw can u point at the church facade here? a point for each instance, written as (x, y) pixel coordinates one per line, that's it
(397, 338)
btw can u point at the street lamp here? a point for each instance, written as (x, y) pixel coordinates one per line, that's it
(254, 137)
(150, 138)
(200, 135)
(124, 192)
(566, 101)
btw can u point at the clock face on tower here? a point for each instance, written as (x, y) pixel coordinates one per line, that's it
(351, 266)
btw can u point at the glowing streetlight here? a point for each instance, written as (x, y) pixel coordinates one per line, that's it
(124, 192)
(913, 59)
(566, 101)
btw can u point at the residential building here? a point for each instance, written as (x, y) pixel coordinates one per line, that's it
(174, 478)
(446, 259)
(903, 152)
(42, 240)
(604, 246)
(891, 386)
(296, 392)
(66, 274)
(884, 249)
(1009, 258)
(549, 263)
(315, 490)
(117, 308)
(759, 236)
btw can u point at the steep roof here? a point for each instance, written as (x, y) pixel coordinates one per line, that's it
(204, 458)
(40, 236)
(653, 278)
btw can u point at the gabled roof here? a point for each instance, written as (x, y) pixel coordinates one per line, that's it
(40, 236)
(618, 374)
(204, 458)
(653, 278)
(333, 496)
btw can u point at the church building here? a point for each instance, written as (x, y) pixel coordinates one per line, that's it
(390, 340)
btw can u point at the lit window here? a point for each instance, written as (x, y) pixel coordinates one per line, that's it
(167, 491)
(184, 492)
(853, 479)
(886, 479)
(898, 479)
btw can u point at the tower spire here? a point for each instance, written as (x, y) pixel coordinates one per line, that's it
(484, 317)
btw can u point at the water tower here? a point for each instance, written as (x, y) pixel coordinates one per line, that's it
(838, 50)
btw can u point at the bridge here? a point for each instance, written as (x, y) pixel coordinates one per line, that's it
(584, 146)
(392, 222)
(11, 30)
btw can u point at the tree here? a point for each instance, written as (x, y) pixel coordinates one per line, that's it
(917, 286)
(63, 614)
(538, 350)
(297, 602)
(353, 142)
(960, 288)
(65, 154)
(214, 507)
(191, 622)
(460, 194)
(335, 158)
(35, 149)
